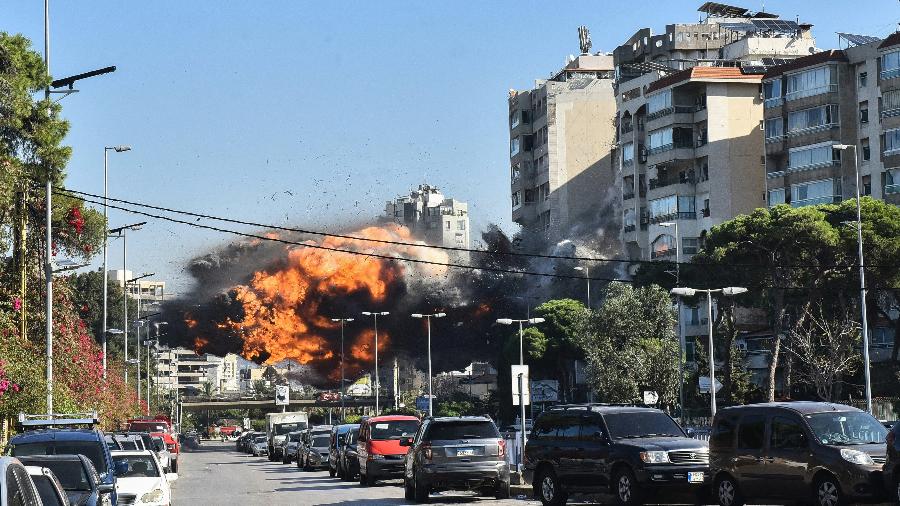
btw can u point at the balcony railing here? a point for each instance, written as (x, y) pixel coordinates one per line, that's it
(684, 109)
(892, 189)
(811, 166)
(828, 199)
(661, 149)
(890, 73)
(660, 113)
(627, 128)
(681, 215)
(773, 102)
(808, 130)
(889, 113)
(795, 95)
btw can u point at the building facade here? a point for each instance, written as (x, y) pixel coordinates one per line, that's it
(561, 133)
(431, 216)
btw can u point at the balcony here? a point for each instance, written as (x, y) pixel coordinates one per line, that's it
(681, 215)
(812, 129)
(796, 95)
(671, 252)
(627, 128)
(828, 199)
(890, 73)
(892, 189)
(660, 113)
(802, 168)
(773, 102)
(890, 113)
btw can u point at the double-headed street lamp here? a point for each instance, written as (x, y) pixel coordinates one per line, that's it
(587, 277)
(125, 284)
(862, 276)
(117, 149)
(376, 383)
(428, 318)
(522, 386)
(117, 233)
(343, 321)
(729, 291)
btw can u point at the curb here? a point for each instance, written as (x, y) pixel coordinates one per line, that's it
(516, 491)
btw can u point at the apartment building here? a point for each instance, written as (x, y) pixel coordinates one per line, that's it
(848, 97)
(431, 216)
(185, 370)
(689, 111)
(561, 133)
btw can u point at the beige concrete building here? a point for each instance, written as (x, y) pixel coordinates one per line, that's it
(561, 133)
(431, 216)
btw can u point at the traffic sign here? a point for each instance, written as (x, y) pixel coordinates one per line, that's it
(517, 371)
(282, 395)
(704, 385)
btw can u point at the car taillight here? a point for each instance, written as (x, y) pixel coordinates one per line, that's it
(501, 448)
(426, 451)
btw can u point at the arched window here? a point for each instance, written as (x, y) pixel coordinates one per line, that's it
(663, 246)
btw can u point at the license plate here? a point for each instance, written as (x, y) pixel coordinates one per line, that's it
(465, 452)
(695, 477)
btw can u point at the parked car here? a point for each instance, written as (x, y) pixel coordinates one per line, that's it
(348, 464)
(16, 486)
(158, 446)
(892, 464)
(78, 476)
(378, 449)
(259, 446)
(314, 452)
(334, 445)
(172, 446)
(243, 442)
(142, 481)
(112, 443)
(290, 448)
(49, 489)
(456, 453)
(827, 453)
(70, 441)
(129, 443)
(629, 451)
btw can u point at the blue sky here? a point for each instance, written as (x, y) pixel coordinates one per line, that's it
(344, 104)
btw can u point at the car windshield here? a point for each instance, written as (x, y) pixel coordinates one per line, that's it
(128, 444)
(260, 439)
(92, 450)
(394, 429)
(462, 430)
(289, 427)
(158, 444)
(46, 490)
(139, 466)
(295, 438)
(70, 473)
(149, 426)
(846, 428)
(320, 441)
(636, 424)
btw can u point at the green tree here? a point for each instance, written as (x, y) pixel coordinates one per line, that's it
(630, 344)
(552, 347)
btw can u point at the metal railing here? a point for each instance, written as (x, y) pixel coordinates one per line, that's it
(795, 95)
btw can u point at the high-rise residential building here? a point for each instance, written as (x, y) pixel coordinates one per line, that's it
(689, 111)
(831, 98)
(432, 217)
(561, 133)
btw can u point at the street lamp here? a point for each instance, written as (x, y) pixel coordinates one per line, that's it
(674, 224)
(729, 291)
(428, 318)
(376, 383)
(156, 326)
(343, 321)
(117, 149)
(125, 286)
(120, 232)
(587, 277)
(510, 321)
(862, 277)
(54, 266)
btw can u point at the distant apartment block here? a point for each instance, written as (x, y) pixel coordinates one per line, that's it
(432, 217)
(838, 97)
(185, 370)
(561, 133)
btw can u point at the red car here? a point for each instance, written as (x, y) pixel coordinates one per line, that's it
(378, 446)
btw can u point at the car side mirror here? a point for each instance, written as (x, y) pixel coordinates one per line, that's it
(121, 468)
(406, 442)
(106, 488)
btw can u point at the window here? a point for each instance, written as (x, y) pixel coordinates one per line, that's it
(891, 141)
(774, 129)
(545, 427)
(812, 119)
(516, 200)
(811, 82)
(866, 185)
(693, 315)
(461, 225)
(816, 192)
(661, 140)
(569, 427)
(462, 430)
(772, 93)
(664, 207)
(639, 423)
(787, 434)
(882, 337)
(629, 219)
(751, 432)
(814, 155)
(516, 172)
(592, 429)
(892, 181)
(447, 225)
(864, 111)
(663, 245)
(514, 146)
(705, 211)
(890, 103)
(545, 220)
(690, 245)
(890, 65)
(776, 197)
(514, 120)
(544, 192)
(865, 149)
(863, 79)
(627, 153)
(659, 102)
(723, 433)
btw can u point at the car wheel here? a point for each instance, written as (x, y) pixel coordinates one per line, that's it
(502, 491)
(407, 490)
(627, 490)
(331, 471)
(420, 490)
(727, 492)
(828, 492)
(174, 466)
(362, 478)
(548, 489)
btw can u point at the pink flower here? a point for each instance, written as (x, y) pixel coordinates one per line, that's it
(17, 304)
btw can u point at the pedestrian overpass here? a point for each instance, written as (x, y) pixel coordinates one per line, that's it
(200, 404)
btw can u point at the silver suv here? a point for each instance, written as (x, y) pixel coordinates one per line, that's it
(456, 453)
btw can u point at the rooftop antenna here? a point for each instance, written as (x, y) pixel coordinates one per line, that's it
(584, 39)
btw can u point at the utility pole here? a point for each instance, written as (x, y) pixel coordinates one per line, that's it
(22, 251)
(48, 264)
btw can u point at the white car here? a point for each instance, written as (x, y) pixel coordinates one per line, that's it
(144, 482)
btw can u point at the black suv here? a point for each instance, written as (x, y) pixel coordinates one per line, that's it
(630, 451)
(829, 454)
(456, 453)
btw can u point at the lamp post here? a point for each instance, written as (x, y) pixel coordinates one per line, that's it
(862, 277)
(53, 266)
(674, 224)
(510, 321)
(729, 291)
(120, 232)
(376, 383)
(156, 325)
(138, 324)
(341, 389)
(428, 318)
(587, 277)
(117, 149)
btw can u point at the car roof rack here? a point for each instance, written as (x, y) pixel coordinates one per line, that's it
(58, 420)
(588, 405)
